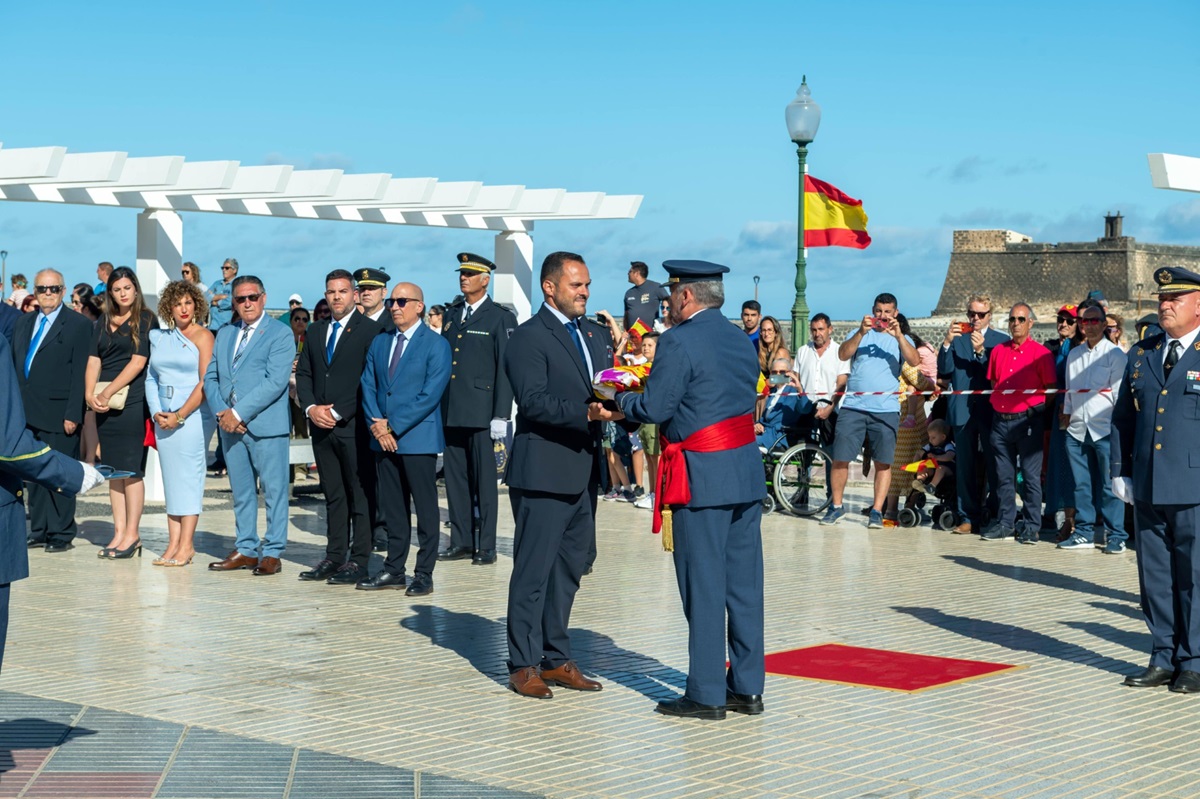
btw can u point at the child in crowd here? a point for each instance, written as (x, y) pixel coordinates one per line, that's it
(941, 449)
(648, 433)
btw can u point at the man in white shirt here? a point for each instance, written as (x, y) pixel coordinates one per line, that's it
(1096, 366)
(822, 373)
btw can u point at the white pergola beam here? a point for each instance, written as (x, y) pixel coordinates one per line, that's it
(1178, 172)
(31, 163)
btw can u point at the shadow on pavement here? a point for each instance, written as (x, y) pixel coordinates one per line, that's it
(30, 733)
(1025, 574)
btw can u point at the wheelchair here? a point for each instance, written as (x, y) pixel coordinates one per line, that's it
(797, 469)
(941, 514)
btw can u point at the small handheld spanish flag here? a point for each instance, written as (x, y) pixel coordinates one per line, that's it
(638, 328)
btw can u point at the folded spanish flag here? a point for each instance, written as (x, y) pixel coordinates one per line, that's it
(832, 218)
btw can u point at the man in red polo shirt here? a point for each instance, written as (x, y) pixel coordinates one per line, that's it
(1026, 368)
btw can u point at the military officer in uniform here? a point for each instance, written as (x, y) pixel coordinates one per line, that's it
(701, 391)
(1156, 467)
(371, 286)
(475, 410)
(23, 457)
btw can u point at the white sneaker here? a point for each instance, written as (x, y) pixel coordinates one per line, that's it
(645, 503)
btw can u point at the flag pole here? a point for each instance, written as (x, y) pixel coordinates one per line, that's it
(800, 306)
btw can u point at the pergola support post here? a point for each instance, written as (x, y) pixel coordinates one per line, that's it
(514, 272)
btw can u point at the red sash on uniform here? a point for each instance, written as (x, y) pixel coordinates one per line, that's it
(673, 485)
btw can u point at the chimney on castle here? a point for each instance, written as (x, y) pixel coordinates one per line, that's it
(1112, 225)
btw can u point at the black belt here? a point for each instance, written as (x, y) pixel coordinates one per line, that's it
(1008, 417)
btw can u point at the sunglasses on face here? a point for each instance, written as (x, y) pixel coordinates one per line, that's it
(1018, 319)
(248, 298)
(48, 289)
(1085, 320)
(778, 372)
(303, 319)
(401, 301)
(1066, 320)
(226, 267)
(977, 314)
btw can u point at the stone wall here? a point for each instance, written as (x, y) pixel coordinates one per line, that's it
(1012, 268)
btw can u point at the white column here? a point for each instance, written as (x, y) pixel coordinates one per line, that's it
(159, 251)
(513, 281)
(159, 256)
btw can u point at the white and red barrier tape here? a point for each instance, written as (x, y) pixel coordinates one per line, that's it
(967, 392)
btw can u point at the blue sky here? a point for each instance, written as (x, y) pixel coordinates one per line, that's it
(1031, 116)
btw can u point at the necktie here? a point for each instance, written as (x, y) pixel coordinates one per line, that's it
(1168, 364)
(329, 345)
(37, 338)
(241, 345)
(396, 353)
(577, 337)
(470, 311)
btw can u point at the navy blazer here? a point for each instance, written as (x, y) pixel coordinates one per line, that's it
(555, 448)
(23, 457)
(8, 320)
(966, 370)
(1156, 425)
(411, 401)
(705, 371)
(53, 392)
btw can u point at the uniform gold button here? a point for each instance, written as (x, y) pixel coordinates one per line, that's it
(456, 349)
(1159, 428)
(460, 335)
(454, 363)
(1160, 410)
(18, 494)
(453, 376)
(1164, 391)
(1158, 446)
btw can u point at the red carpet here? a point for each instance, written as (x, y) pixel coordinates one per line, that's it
(877, 668)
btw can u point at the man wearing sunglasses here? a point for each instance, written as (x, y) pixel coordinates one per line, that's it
(50, 352)
(219, 296)
(963, 360)
(1156, 467)
(246, 386)
(1026, 368)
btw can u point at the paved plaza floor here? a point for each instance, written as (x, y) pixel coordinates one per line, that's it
(123, 679)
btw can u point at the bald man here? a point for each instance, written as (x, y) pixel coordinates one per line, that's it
(402, 384)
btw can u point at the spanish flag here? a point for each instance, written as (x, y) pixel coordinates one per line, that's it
(832, 218)
(638, 328)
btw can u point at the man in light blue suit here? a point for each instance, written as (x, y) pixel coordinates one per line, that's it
(246, 386)
(403, 380)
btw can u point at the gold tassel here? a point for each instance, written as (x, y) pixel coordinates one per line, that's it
(668, 539)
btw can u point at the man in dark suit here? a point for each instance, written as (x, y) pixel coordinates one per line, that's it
(402, 384)
(23, 457)
(553, 475)
(1155, 455)
(476, 408)
(370, 287)
(50, 354)
(963, 359)
(701, 391)
(327, 384)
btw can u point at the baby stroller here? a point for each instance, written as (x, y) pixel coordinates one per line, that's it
(945, 498)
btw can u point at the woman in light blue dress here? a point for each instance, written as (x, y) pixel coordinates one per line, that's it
(179, 355)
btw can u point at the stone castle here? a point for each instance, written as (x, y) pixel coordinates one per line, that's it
(1011, 267)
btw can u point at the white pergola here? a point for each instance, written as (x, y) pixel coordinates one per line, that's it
(1178, 172)
(164, 187)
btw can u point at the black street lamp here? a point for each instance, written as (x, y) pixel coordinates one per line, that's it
(803, 118)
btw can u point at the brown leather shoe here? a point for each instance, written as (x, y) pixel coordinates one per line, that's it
(267, 566)
(527, 682)
(233, 561)
(963, 529)
(568, 676)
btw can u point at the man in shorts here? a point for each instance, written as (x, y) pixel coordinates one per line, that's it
(876, 353)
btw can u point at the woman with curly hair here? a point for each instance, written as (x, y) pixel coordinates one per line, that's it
(114, 387)
(770, 344)
(179, 355)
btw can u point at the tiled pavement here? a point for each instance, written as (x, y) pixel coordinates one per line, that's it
(181, 683)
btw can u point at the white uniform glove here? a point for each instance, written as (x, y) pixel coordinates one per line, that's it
(499, 429)
(1122, 487)
(91, 477)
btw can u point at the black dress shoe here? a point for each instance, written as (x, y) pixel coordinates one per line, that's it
(456, 553)
(692, 710)
(319, 572)
(33, 543)
(1152, 677)
(1188, 682)
(53, 546)
(750, 704)
(384, 579)
(421, 585)
(380, 545)
(483, 558)
(349, 574)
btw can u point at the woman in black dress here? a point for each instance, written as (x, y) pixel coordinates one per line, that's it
(120, 349)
